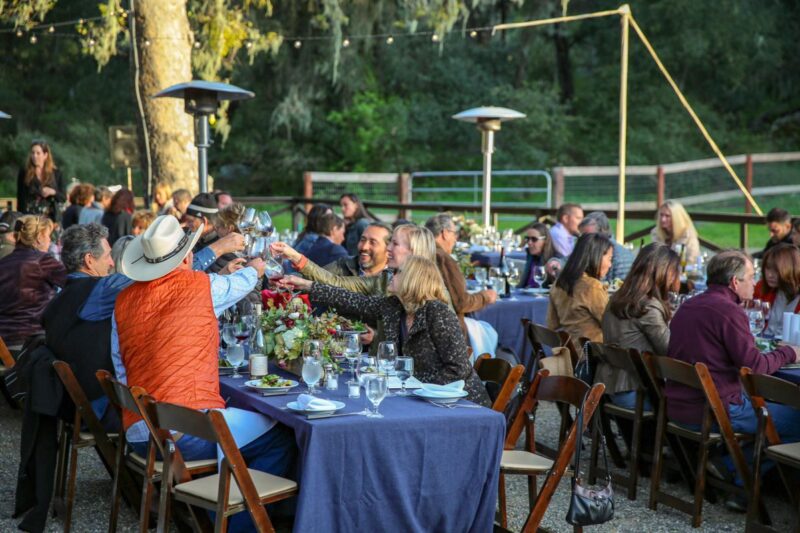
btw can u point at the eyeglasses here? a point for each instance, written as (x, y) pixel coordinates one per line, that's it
(535, 239)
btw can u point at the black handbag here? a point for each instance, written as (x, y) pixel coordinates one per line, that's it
(588, 506)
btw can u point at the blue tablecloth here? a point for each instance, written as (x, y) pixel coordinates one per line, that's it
(488, 259)
(505, 316)
(420, 468)
(792, 375)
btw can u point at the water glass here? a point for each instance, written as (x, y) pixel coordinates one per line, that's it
(405, 369)
(352, 349)
(480, 277)
(312, 372)
(376, 388)
(387, 353)
(539, 275)
(235, 356)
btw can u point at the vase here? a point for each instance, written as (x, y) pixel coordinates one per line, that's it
(295, 366)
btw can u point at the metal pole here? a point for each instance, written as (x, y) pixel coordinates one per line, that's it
(487, 146)
(623, 121)
(201, 140)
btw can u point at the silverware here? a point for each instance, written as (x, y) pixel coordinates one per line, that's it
(279, 393)
(453, 405)
(315, 417)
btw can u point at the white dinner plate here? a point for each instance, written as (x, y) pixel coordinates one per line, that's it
(422, 393)
(256, 385)
(294, 406)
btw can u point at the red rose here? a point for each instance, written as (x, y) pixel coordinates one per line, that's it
(331, 331)
(289, 323)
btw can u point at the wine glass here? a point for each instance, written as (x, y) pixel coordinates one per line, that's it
(264, 224)
(405, 369)
(387, 353)
(539, 275)
(248, 220)
(259, 247)
(756, 318)
(235, 356)
(352, 349)
(273, 270)
(480, 277)
(376, 388)
(242, 328)
(312, 364)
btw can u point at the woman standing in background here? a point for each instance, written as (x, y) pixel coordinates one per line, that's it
(40, 185)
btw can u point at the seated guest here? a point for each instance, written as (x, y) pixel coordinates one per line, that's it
(84, 344)
(7, 241)
(311, 232)
(357, 219)
(29, 277)
(224, 199)
(675, 229)
(540, 253)
(94, 212)
(638, 316)
(578, 297)
(565, 231)
(162, 199)
(779, 285)
(445, 233)
(202, 213)
(180, 201)
(227, 227)
(117, 217)
(165, 338)
(328, 247)
(597, 222)
(418, 320)
(711, 328)
(779, 225)
(141, 221)
(80, 197)
(372, 249)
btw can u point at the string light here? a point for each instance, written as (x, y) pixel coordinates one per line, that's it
(435, 38)
(147, 42)
(473, 34)
(248, 45)
(298, 43)
(390, 40)
(51, 29)
(345, 43)
(19, 33)
(197, 44)
(34, 40)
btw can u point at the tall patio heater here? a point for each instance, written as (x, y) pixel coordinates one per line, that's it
(201, 99)
(488, 120)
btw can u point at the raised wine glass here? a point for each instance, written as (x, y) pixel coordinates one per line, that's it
(248, 220)
(264, 224)
(404, 366)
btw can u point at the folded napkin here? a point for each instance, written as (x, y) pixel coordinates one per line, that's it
(311, 403)
(444, 391)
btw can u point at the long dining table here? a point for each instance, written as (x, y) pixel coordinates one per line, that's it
(422, 467)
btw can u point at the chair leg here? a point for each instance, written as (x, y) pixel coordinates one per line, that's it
(501, 499)
(148, 488)
(61, 468)
(164, 508)
(700, 485)
(593, 457)
(532, 491)
(655, 472)
(633, 471)
(71, 481)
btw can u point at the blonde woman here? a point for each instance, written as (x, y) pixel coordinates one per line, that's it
(674, 228)
(162, 199)
(28, 280)
(228, 219)
(416, 317)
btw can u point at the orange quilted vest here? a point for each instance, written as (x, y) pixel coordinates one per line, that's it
(169, 340)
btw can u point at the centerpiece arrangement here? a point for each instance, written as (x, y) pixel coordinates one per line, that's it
(287, 328)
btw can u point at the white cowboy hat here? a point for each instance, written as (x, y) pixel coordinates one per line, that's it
(159, 250)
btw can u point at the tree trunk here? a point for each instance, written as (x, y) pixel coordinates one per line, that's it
(563, 65)
(164, 46)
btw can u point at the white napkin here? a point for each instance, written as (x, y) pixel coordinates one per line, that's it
(443, 391)
(311, 403)
(411, 383)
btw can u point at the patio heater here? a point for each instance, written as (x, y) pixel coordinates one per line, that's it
(201, 99)
(488, 120)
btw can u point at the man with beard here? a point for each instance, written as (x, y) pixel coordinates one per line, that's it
(371, 259)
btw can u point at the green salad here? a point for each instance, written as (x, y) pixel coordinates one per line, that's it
(273, 380)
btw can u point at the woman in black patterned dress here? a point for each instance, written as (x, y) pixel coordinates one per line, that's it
(416, 318)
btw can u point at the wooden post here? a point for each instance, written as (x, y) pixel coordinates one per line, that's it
(748, 184)
(660, 186)
(308, 188)
(404, 194)
(625, 11)
(558, 187)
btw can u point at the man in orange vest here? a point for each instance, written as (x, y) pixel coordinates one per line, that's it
(165, 338)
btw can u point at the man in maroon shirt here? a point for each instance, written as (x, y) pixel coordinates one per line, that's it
(711, 328)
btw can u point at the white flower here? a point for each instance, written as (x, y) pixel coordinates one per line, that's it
(294, 316)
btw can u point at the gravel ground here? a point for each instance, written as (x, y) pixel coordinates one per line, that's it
(92, 502)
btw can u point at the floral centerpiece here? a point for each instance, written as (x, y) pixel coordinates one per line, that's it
(469, 228)
(287, 328)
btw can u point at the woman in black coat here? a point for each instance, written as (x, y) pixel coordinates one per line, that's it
(417, 319)
(40, 186)
(117, 217)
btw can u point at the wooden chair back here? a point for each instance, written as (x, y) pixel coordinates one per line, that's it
(6, 359)
(761, 389)
(500, 378)
(614, 356)
(543, 340)
(210, 426)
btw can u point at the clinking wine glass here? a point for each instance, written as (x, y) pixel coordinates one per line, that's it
(264, 224)
(248, 220)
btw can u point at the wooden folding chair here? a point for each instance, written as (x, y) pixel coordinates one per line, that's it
(252, 489)
(542, 340)
(500, 378)
(620, 359)
(122, 397)
(666, 368)
(762, 389)
(560, 389)
(72, 439)
(7, 362)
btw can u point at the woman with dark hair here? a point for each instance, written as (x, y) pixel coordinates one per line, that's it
(311, 232)
(539, 250)
(40, 186)
(357, 219)
(117, 217)
(638, 316)
(578, 297)
(79, 197)
(779, 285)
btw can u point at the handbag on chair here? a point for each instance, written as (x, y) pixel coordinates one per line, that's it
(588, 506)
